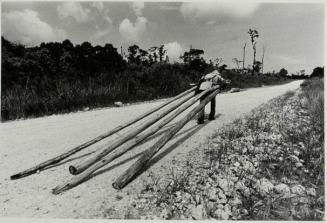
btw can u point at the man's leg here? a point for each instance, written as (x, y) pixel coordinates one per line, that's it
(212, 109)
(201, 113)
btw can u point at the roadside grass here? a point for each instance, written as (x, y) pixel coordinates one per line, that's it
(47, 97)
(268, 165)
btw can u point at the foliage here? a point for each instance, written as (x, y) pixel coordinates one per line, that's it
(317, 72)
(61, 77)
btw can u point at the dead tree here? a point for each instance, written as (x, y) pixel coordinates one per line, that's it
(253, 35)
(244, 56)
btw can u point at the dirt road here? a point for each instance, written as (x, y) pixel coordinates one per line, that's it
(28, 142)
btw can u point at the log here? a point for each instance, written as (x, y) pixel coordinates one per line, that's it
(125, 147)
(126, 177)
(77, 169)
(63, 156)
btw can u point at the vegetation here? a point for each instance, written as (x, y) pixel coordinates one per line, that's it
(266, 166)
(60, 77)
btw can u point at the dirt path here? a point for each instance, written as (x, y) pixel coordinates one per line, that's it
(29, 142)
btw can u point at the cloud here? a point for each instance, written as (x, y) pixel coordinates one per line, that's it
(168, 7)
(73, 10)
(98, 5)
(174, 50)
(27, 28)
(211, 10)
(138, 7)
(132, 32)
(100, 36)
(103, 11)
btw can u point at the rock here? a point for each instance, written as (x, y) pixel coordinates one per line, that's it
(220, 214)
(282, 189)
(211, 206)
(196, 212)
(298, 189)
(240, 186)
(235, 202)
(237, 164)
(118, 103)
(311, 192)
(264, 186)
(212, 195)
(226, 186)
(197, 199)
(234, 90)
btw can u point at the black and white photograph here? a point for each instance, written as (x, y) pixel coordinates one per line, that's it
(162, 110)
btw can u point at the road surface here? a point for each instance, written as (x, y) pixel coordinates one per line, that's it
(25, 143)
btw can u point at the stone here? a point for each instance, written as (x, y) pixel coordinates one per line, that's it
(312, 192)
(235, 201)
(220, 214)
(196, 212)
(118, 103)
(226, 185)
(282, 189)
(298, 189)
(212, 195)
(264, 186)
(233, 90)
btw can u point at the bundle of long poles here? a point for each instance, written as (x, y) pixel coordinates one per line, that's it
(104, 158)
(74, 150)
(142, 162)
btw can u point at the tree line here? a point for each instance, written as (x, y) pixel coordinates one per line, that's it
(62, 77)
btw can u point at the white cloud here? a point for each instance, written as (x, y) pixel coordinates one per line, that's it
(132, 32)
(103, 11)
(98, 5)
(174, 50)
(27, 28)
(73, 10)
(138, 7)
(211, 10)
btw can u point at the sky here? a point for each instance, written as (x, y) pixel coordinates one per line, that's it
(292, 34)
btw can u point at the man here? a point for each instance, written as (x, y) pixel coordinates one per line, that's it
(207, 82)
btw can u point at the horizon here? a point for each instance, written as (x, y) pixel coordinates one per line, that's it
(292, 33)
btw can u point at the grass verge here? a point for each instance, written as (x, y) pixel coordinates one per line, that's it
(268, 165)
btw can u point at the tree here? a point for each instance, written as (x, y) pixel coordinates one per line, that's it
(154, 56)
(218, 61)
(263, 56)
(283, 72)
(161, 52)
(257, 66)
(317, 72)
(244, 56)
(133, 54)
(253, 35)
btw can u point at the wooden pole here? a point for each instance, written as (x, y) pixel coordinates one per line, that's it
(125, 147)
(127, 136)
(57, 159)
(149, 153)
